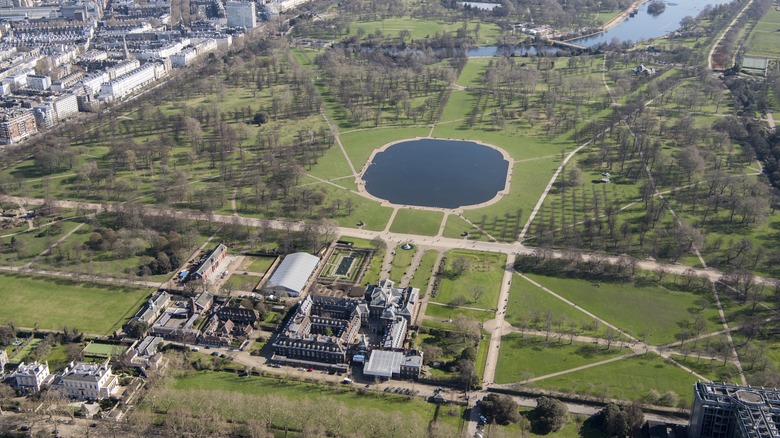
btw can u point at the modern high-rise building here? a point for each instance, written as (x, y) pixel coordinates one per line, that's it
(241, 14)
(732, 411)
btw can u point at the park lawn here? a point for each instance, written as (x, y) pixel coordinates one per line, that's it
(420, 222)
(629, 379)
(486, 270)
(357, 242)
(528, 303)
(458, 107)
(763, 38)
(359, 144)
(422, 276)
(243, 282)
(529, 179)
(473, 72)
(54, 303)
(448, 312)
(713, 370)
(292, 390)
(456, 225)
(373, 214)
(418, 29)
(332, 164)
(102, 263)
(374, 271)
(258, 264)
(523, 357)
(401, 262)
(32, 244)
(627, 306)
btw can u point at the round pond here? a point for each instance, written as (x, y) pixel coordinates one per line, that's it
(436, 173)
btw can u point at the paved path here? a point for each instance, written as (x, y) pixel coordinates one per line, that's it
(497, 324)
(80, 277)
(48, 250)
(392, 239)
(723, 34)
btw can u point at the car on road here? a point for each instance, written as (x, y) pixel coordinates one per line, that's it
(275, 365)
(309, 370)
(195, 349)
(215, 353)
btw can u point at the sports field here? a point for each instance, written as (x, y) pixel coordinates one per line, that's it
(54, 303)
(96, 349)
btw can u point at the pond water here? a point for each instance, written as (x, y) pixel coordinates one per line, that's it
(644, 26)
(436, 173)
(509, 51)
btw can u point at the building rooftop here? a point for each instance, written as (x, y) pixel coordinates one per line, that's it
(293, 272)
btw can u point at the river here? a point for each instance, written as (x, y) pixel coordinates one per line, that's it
(644, 26)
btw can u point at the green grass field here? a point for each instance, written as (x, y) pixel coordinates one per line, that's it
(258, 264)
(401, 262)
(626, 306)
(422, 275)
(448, 312)
(54, 303)
(627, 379)
(524, 357)
(420, 222)
(186, 389)
(104, 350)
(531, 307)
(762, 40)
(486, 271)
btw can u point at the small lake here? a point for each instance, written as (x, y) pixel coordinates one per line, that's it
(436, 173)
(511, 51)
(644, 26)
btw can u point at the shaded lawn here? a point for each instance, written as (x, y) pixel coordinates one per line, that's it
(628, 379)
(254, 385)
(528, 303)
(524, 357)
(54, 303)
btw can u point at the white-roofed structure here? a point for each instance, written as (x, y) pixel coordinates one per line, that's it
(291, 276)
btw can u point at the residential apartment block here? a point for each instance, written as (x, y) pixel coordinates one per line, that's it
(16, 124)
(732, 411)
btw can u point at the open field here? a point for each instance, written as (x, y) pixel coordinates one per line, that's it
(532, 307)
(54, 303)
(276, 399)
(485, 272)
(762, 40)
(524, 357)
(628, 379)
(422, 222)
(626, 306)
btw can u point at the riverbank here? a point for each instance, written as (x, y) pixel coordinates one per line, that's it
(622, 16)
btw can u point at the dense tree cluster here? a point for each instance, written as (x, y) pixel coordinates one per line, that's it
(549, 416)
(618, 420)
(500, 408)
